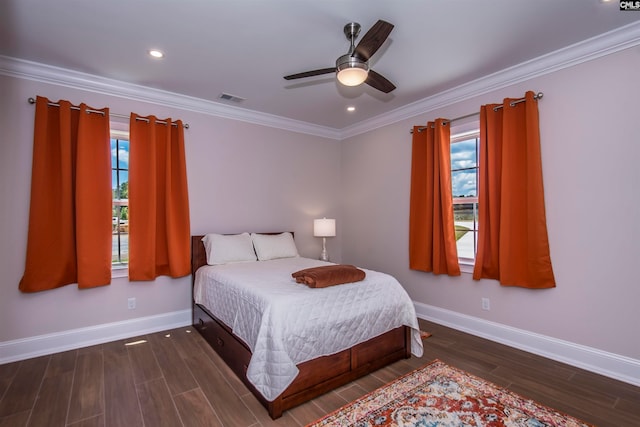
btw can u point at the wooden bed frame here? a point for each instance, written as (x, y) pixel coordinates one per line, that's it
(316, 376)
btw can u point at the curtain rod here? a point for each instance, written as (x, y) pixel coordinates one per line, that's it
(496, 108)
(122, 116)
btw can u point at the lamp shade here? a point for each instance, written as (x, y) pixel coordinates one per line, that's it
(324, 227)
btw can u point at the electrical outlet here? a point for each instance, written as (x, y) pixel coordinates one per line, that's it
(131, 303)
(486, 304)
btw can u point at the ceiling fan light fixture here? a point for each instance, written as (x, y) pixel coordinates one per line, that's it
(351, 71)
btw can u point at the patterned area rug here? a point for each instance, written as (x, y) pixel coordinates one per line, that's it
(443, 396)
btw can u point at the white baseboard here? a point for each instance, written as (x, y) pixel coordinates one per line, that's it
(601, 362)
(26, 348)
(612, 365)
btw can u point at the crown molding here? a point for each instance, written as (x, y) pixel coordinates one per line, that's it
(22, 69)
(584, 51)
(587, 50)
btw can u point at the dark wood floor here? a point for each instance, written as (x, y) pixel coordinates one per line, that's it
(173, 379)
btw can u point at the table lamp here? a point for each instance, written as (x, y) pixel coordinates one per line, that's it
(324, 228)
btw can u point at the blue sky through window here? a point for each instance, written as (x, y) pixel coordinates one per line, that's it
(119, 162)
(463, 155)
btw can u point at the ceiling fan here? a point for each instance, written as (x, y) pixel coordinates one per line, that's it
(352, 68)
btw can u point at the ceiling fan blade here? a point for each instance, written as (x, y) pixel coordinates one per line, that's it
(310, 73)
(374, 38)
(379, 82)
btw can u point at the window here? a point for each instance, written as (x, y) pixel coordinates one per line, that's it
(120, 194)
(464, 182)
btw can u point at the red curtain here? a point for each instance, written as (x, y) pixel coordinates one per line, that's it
(159, 227)
(432, 240)
(513, 246)
(69, 238)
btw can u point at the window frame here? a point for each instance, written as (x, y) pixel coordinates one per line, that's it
(459, 133)
(119, 131)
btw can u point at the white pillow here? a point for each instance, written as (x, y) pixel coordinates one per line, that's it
(223, 249)
(272, 246)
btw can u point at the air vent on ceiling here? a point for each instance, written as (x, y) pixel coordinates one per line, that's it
(229, 97)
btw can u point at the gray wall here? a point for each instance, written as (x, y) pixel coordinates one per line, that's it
(590, 137)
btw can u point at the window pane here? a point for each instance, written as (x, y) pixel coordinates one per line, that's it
(120, 189)
(114, 143)
(466, 214)
(464, 183)
(464, 186)
(120, 249)
(123, 154)
(465, 217)
(114, 183)
(463, 154)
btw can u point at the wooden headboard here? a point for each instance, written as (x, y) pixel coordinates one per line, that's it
(199, 255)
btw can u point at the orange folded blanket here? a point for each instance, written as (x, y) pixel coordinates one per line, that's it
(329, 275)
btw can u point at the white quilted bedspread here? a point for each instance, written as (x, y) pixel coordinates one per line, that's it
(285, 323)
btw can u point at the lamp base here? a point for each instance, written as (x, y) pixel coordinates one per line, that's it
(324, 255)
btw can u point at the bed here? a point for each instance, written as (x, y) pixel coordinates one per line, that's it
(271, 331)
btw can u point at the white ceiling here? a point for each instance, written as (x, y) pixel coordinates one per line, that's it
(245, 47)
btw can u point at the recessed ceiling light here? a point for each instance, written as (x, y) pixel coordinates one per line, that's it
(351, 108)
(156, 53)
